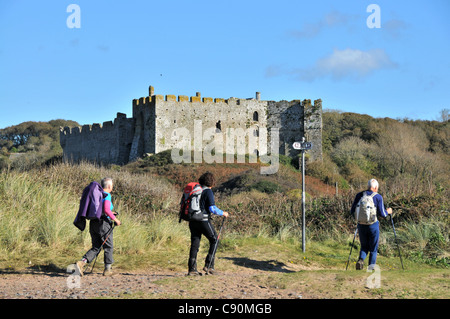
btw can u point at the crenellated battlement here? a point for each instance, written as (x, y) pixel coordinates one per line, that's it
(307, 103)
(184, 98)
(147, 100)
(95, 128)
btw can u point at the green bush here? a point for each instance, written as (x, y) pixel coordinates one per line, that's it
(160, 159)
(266, 187)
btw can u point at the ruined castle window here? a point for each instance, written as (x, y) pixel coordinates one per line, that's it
(255, 116)
(218, 127)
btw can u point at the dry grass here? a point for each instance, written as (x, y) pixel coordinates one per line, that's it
(37, 209)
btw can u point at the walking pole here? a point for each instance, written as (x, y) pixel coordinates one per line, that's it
(215, 246)
(351, 247)
(398, 248)
(108, 234)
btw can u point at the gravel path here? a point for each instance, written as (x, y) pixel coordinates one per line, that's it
(35, 284)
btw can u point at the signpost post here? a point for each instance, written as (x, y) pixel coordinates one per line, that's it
(303, 146)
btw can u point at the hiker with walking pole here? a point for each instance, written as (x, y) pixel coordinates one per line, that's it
(367, 206)
(203, 226)
(100, 228)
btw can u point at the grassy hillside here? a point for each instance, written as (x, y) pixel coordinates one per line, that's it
(31, 144)
(411, 157)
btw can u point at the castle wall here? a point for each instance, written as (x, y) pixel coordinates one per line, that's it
(296, 119)
(108, 143)
(287, 116)
(173, 113)
(143, 141)
(313, 127)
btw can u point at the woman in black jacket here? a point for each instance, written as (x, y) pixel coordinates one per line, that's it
(204, 227)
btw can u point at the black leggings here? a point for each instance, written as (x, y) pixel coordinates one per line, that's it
(197, 230)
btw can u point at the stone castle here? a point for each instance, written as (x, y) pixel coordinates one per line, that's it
(156, 119)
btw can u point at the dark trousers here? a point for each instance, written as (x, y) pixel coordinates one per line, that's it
(369, 235)
(99, 231)
(197, 230)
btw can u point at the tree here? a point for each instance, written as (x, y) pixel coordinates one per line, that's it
(444, 114)
(39, 140)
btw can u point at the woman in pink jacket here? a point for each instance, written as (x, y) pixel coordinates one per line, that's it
(101, 231)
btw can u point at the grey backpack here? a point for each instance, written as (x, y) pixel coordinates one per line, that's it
(366, 211)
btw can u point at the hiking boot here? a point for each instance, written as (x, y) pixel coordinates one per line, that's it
(209, 271)
(360, 264)
(108, 271)
(192, 266)
(80, 266)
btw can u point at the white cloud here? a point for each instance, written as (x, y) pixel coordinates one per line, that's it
(330, 20)
(353, 63)
(341, 64)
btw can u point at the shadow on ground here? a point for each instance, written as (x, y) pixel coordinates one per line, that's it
(265, 265)
(48, 270)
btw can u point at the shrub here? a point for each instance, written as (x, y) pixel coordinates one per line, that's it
(266, 187)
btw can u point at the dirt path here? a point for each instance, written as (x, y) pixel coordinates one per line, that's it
(60, 285)
(237, 278)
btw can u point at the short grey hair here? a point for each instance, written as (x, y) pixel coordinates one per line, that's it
(373, 183)
(107, 181)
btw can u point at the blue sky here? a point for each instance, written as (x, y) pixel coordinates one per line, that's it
(283, 49)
